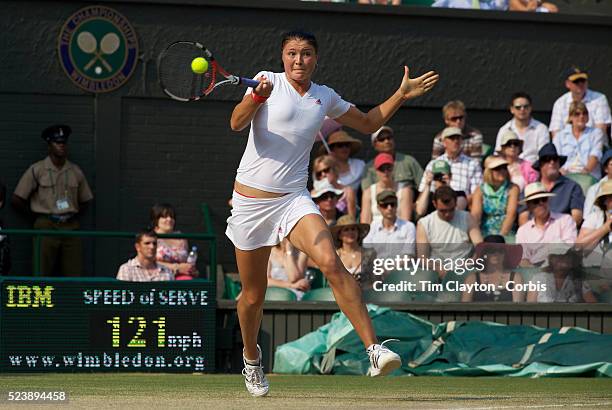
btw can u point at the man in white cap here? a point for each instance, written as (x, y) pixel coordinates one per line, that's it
(406, 169)
(577, 82)
(325, 196)
(544, 227)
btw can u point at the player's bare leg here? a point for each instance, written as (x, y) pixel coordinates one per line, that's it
(311, 235)
(252, 267)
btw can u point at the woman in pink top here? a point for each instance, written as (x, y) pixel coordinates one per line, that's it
(171, 253)
(521, 172)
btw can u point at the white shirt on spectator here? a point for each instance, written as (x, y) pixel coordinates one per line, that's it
(578, 151)
(534, 137)
(589, 201)
(399, 240)
(596, 103)
(466, 173)
(352, 178)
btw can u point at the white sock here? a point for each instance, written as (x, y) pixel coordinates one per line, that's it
(252, 362)
(370, 347)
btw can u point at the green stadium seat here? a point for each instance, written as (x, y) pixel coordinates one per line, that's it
(320, 295)
(318, 278)
(487, 150)
(424, 3)
(584, 180)
(231, 288)
(274, 293)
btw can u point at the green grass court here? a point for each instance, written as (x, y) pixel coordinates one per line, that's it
(163, 391)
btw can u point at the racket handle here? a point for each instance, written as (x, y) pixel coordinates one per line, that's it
(248, 82)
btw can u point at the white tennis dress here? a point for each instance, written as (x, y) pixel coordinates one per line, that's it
(276, 160)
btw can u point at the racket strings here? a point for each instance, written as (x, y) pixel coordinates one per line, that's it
(176, 75)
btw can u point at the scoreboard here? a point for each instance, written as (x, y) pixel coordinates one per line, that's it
(80, 324)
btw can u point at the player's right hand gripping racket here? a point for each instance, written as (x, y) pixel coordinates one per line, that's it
(178, 80)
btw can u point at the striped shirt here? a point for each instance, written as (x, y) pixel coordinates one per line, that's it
(466, 173)
(132, 271)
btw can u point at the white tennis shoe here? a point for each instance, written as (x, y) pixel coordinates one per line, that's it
(254, 377)
(382, 360)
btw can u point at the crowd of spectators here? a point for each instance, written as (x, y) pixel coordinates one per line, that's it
(524, 196)
(500, 5)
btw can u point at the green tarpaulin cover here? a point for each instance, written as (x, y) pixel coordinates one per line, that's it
(450, 349)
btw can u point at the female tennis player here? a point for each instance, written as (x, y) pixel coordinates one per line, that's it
(270, 199)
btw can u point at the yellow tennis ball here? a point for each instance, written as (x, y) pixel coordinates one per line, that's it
(199, 65)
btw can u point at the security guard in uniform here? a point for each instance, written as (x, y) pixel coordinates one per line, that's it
(57, 191)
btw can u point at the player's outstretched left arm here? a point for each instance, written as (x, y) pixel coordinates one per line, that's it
(415, 87)
(378, 116)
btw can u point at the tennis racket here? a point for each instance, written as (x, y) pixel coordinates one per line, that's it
(178, 80)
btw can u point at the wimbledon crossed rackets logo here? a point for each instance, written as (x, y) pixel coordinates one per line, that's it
(98, 48)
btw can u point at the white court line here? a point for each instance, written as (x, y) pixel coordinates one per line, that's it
(542, 406)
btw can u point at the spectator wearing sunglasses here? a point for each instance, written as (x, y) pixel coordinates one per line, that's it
(440, 175)
(455, 115)
(390, 236)
(495, 201)
(544, 227)
(530, 131)
(467, 174)
(446, 233)
(384, 171)
(569, 198)
(580, 143)
(325, 196)
(406, 169)
(521, 171)
(343, 147)
(577, 82)
(606, 166)
(325, 171)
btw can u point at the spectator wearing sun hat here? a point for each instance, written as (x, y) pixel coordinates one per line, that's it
(562, 279)
(544, 227)
(467, 173)
(343, 147)
(406, 169)
(500, 260)
(577, 82)
(521, 170)
(606, 167)
(495, 201)
(326, 196)
(597, 226)
(348, 235)
(530, 131)
(569, 198)
(384, 163)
